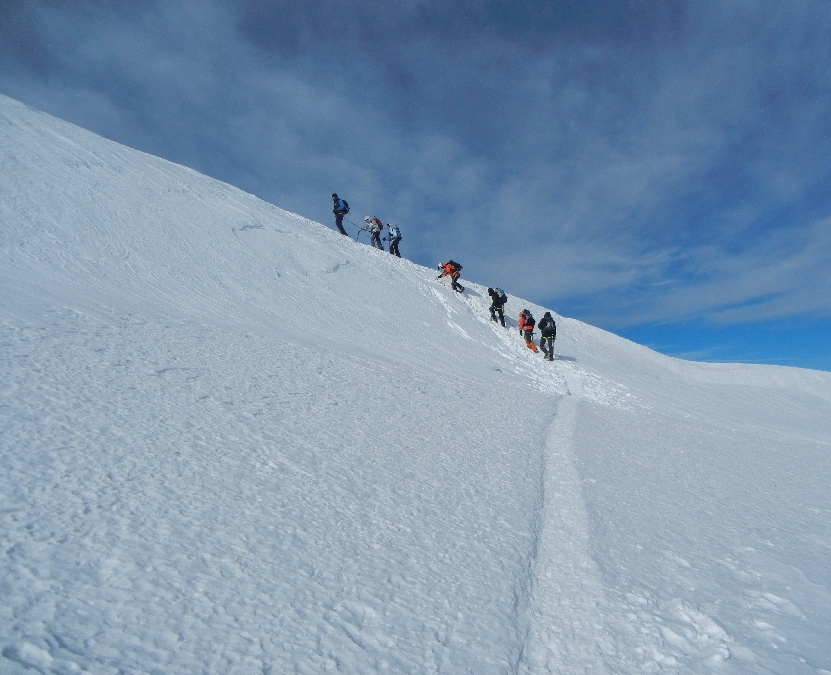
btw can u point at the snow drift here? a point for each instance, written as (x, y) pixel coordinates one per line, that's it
(234, 441)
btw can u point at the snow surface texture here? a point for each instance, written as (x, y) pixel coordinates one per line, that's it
(234, 441)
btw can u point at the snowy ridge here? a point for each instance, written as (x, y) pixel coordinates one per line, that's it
(235, 441)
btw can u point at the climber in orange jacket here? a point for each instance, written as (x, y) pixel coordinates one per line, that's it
(451, 269)
(526, 328)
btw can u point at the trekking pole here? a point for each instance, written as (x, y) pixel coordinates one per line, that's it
(360, 229)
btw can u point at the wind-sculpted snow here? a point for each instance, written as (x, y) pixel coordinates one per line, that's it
(234, 441)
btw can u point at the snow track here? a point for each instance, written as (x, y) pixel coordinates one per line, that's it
(566, 631)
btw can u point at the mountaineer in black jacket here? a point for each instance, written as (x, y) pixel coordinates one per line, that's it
(498, 300)
(548, 333)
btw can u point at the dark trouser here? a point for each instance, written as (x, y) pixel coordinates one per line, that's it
(394, 247)
(339, 223)
(454, 284)
(498, 309)
(375, 240)
(549, 340)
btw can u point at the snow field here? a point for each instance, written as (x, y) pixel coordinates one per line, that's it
(235, 441)
(171, 523)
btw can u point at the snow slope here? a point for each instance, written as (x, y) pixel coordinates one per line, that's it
(234, 441)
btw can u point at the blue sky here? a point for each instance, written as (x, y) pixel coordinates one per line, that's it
(660, 168)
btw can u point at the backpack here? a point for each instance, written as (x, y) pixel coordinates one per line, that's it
(395, 233)
(500, 295)
(455, 264)
(345, 206)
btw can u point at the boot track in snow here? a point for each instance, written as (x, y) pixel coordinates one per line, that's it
(565, 616)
